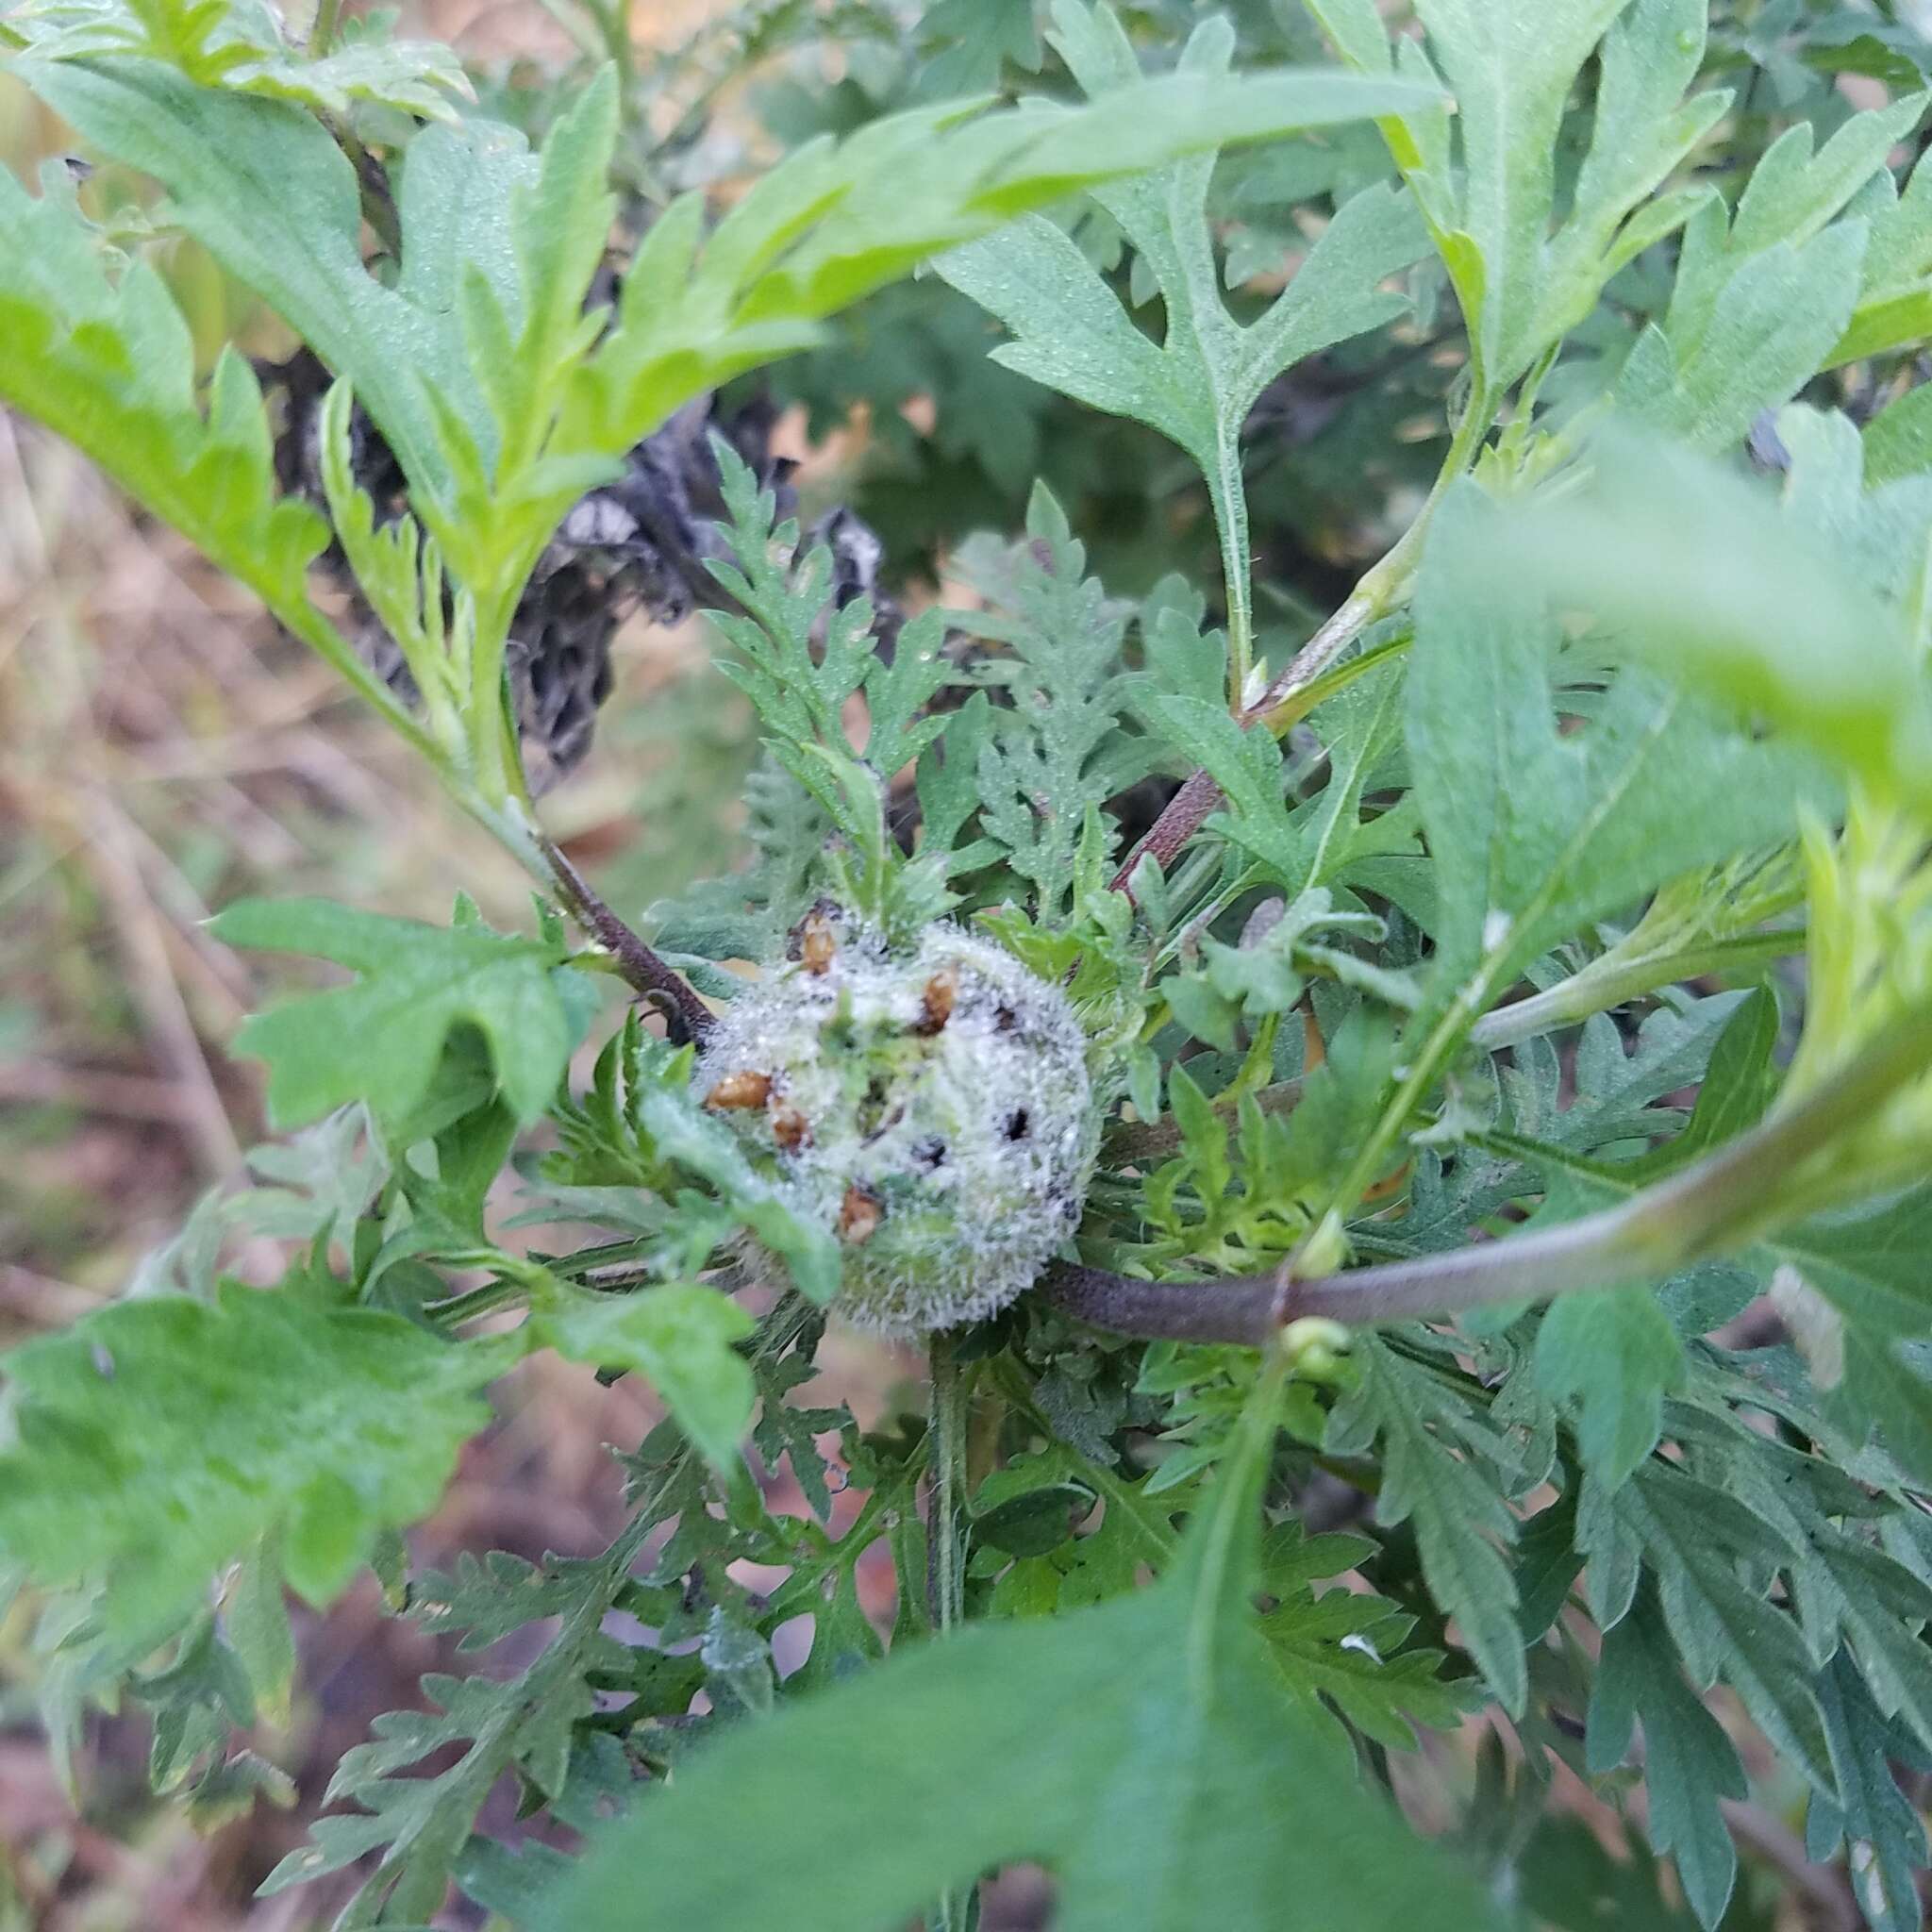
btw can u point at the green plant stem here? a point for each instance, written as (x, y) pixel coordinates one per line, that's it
(1229, 495)
(477, 755)
(1593, 992)
(1444, 1037)
(945, 1579)
(1318, 690)
(322, 34)
(1390, 582)
(1234, 1507)
(1380, 591)
(491, 758)
(618, 38)
(1749, 1185)
(483, 1300)
(1493, 971)
(1562, 1005)
(510, 824)
(945, 1547)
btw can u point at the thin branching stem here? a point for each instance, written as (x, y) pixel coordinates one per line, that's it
(947, 1465)
(945, 1544)
(1380, 591)
(1224, 486)
(322, 35)
(664, 986)
(485, 1299)
(1593, 990)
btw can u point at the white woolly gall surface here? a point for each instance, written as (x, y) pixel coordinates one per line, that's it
(929, 1105)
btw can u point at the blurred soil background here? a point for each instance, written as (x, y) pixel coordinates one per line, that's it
(163, 751)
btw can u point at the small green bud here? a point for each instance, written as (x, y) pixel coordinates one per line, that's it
(1325, 1250)
(929, 1104)
(1314, 1346)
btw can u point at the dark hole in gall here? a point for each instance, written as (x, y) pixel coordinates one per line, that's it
(930, 1152)
(1017, 1124)
(1004, 1019)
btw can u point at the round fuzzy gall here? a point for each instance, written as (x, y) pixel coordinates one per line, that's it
(929, 1104)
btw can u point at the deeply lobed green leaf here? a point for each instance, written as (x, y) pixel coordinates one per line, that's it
(1063, 1708)
(380, 1041)
(158, 1438)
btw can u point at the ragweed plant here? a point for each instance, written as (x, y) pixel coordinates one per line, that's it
(1332, 1092)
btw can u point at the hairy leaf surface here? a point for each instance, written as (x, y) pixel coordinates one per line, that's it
(380, 1040)
(158, 1438)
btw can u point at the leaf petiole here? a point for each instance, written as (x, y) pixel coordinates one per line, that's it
(1589, 991)
(1287, 698)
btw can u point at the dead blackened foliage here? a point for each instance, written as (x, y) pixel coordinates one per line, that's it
(636, 544)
